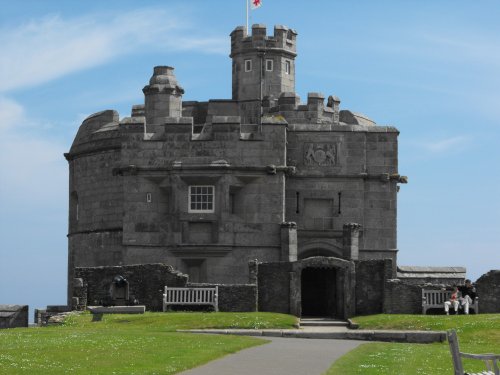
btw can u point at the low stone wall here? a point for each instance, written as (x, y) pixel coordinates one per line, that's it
(273, 282)
(402, 298)
(146, 284)
(488, 291)
(233, 297)
(42, 316)
(370, 280)
(13, 316)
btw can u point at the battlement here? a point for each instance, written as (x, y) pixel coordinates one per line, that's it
(283, 39)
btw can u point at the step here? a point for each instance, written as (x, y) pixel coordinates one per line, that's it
(322, 322)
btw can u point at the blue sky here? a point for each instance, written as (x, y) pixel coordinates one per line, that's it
(430, 68)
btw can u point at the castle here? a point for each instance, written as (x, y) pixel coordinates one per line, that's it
(207, 187)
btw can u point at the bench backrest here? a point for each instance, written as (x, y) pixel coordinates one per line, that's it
(435, 297)
(190, 295)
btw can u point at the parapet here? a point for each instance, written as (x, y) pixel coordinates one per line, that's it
(283, 39)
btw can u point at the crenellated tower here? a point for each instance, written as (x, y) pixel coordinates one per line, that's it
(263, 65)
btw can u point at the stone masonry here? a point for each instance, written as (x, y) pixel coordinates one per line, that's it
(13, 316)
(303, 191)
(206, 187)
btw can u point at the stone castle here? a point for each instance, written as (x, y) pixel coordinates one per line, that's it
(303, 192)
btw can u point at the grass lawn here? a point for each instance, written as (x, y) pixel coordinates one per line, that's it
(128, 344)
(476, 334)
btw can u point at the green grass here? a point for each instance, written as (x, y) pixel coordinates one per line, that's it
(476, 334)
(128, 344)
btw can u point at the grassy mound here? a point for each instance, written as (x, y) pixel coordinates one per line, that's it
(128, 344)
(476, 333)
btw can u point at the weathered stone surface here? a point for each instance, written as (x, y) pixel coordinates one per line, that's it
(117, 309)
(371, 276)
(234, 297)
(488, 291)
(402, 298)
(13, 316)
(418, 275)
(146, 283)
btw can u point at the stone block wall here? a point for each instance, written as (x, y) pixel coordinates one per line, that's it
(402, 298)
(146, 282)
(274, 287)
(371, 276)
(13, 316)
(488, 291)
(234, 297)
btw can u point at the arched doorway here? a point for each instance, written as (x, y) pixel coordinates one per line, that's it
(319, 292)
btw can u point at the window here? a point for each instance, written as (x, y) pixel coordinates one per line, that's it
(201, 198)
(248, 65)
(287, 66)
(269, 65)
(148, 197)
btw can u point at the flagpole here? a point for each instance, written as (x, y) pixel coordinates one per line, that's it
(247, 16)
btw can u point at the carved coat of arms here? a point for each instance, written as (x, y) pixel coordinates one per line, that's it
(320, 154)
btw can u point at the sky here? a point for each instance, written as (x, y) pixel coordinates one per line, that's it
(430, 68)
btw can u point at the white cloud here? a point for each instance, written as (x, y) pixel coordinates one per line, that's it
(51, 47)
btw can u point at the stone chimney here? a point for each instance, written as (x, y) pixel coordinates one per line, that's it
(163, 96)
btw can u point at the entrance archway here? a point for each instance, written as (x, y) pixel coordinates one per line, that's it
(318, 290)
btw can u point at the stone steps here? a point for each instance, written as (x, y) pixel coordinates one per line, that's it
(323, 322)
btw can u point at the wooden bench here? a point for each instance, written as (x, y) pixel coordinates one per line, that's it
(435, 298)
(191, 296)
(490, 360)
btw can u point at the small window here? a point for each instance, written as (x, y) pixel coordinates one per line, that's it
(287, 66)
(201, 198)
(148, 197)
(269, 65)
(248, 65)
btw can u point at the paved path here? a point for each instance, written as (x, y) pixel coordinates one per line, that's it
(287, 356)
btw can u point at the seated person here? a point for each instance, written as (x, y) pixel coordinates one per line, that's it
(454, 300)
(468, 295)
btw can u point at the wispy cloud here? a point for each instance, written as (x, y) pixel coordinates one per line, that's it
(32, 167)
(11, 112)
(456, 143)
(51, 47)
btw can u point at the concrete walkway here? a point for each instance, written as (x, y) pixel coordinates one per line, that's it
(282, 356)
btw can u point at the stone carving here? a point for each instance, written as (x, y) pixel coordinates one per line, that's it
(322, 154)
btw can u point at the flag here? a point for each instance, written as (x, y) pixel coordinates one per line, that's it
(254, 4)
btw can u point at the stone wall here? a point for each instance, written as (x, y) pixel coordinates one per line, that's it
(402, 298)
(488, 291)
(146, 283)
(234, 297)
(370, 280)
(12, 316)
(274, 287)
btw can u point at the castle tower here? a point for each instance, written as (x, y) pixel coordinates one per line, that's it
(163, 96)
(263, 65)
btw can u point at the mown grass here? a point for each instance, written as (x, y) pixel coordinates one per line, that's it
(476, 333)
(128, 344)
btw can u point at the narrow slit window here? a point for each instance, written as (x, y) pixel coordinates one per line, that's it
(148, 197)
(248, 65)
(269, 65)
(297, 201)
(287, 66)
